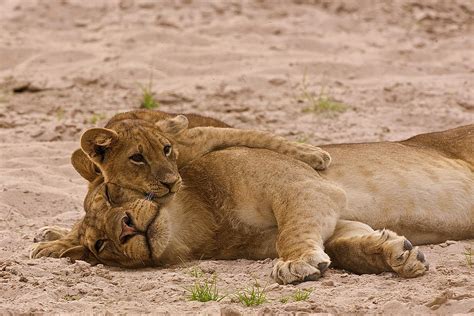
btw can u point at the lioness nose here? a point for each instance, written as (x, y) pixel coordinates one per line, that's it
(128, 231)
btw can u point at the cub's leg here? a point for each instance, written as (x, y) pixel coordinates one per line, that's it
(195, 142)
(55, 241)
(306, 218)
(356, 247)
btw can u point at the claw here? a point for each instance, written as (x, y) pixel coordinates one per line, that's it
(407, 245)
(323, 266)
(420, 256)
(312, 277)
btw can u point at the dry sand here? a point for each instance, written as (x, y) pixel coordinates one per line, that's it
(401, 68)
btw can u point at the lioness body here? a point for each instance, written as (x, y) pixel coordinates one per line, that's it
(417, 192)
(417, 187)
(421, 191)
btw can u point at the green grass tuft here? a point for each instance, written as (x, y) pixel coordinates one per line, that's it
(70, 298)
(284, 299)
(148, 99)
(96, 117)
(252, 296)
(319, 103)
(60, 113)
(196, 272)
(205, 291)
(301, 295)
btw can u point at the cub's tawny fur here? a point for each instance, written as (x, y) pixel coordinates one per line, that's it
(145, 156)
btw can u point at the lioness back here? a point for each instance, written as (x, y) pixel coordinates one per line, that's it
(422, 188)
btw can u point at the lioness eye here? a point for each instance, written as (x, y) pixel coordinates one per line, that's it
(99, 245)
(167, 150)
(138, 158)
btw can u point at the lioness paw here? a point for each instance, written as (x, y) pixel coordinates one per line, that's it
(52, 249)
(314, 156)
(403, 258)
(50, 233)
(306, 268)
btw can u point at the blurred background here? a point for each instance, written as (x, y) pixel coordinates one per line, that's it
(316, 71)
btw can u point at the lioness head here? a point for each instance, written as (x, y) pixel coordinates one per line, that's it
(134, 234)
(131, 235)
(136, 155)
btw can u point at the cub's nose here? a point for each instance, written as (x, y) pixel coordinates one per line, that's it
(172, 183)
(128, 231)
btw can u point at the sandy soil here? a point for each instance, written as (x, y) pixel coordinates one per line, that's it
(400, 68)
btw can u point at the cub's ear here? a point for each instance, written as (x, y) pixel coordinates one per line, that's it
(95, 141)
(79, 253)
(84, 166)
(173, 125)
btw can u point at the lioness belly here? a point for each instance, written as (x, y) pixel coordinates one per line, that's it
(423, 195)
(254, 193)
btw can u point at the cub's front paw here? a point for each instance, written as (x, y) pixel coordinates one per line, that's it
(306, 268)
(314, 156)
(50, 233)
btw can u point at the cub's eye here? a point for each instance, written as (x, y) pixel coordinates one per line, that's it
(99, 245)
(167, 150)
(137, 158)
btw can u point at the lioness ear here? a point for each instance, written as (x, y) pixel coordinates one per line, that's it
(173, 125)
(95, 141)
(84, 166)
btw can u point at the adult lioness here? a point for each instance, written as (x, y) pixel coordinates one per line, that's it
(425, 191)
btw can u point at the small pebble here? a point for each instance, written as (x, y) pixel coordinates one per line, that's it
(328, 283)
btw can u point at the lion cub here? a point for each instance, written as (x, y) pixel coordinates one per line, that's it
(145, 157)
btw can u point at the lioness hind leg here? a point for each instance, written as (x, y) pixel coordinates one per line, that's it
(358, 248)
(50, 233)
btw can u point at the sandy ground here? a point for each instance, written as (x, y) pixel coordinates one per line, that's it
(398, 67)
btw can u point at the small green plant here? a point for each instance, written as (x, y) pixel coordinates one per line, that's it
(196, 272)
(60, 113)
(69, 298)
(252, 296)
(301, 295)
(96, 117)
(469, 253)
(320, 103)
(205, 291)
(148, 99)
(284, 299)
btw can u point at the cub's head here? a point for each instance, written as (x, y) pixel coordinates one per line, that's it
(131, 235)
(136, 155)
